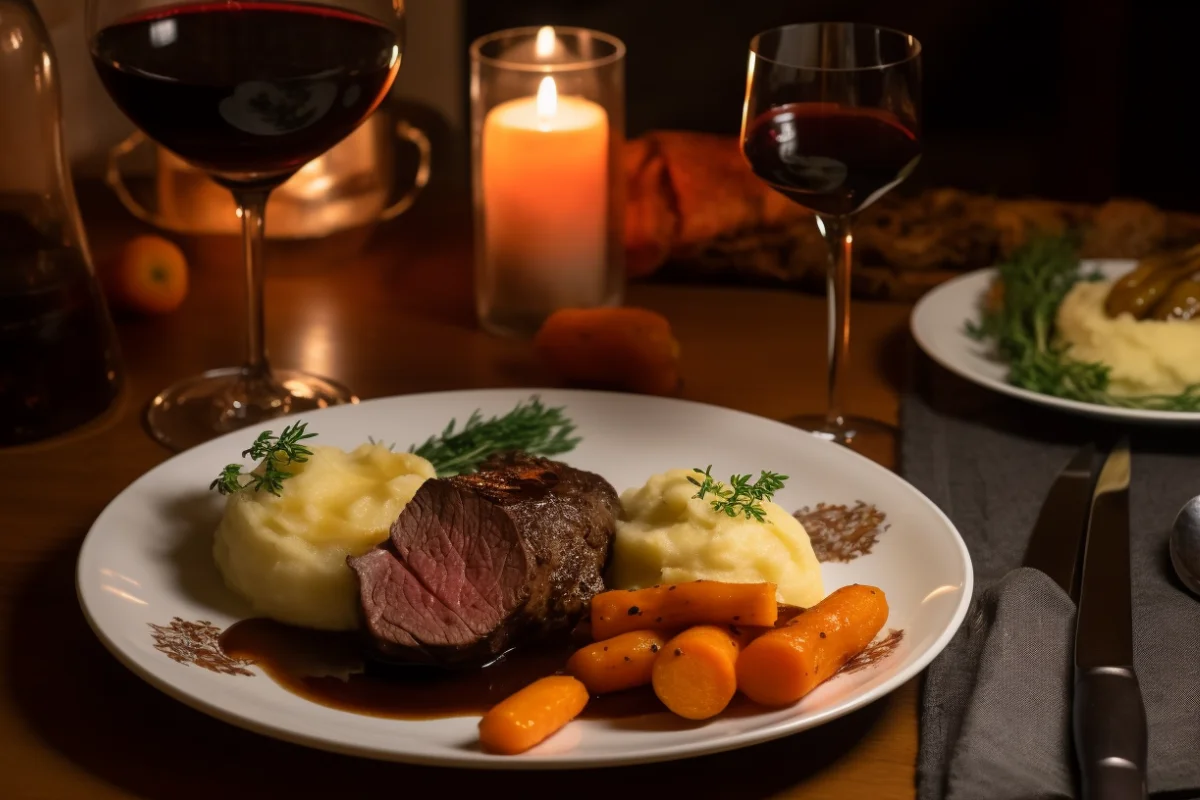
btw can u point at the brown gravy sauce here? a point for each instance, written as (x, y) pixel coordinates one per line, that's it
(329, 669)
(842, 533)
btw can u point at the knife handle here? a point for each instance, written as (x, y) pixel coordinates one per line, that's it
(1110, 734)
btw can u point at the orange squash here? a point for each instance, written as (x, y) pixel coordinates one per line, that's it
(629, 349)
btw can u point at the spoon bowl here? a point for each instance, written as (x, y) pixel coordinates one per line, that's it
(1185, 545)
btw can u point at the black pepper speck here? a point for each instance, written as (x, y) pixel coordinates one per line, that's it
(822, 634)
(634, 611)
(678, 652)
(653, 648)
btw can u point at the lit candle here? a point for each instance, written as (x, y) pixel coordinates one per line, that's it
(545, 193)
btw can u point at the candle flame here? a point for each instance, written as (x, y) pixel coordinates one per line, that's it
(547, 99)
(544, 45)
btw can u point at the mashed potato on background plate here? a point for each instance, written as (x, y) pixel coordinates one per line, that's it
(1145, 357)
(287, 554)
(667, 535)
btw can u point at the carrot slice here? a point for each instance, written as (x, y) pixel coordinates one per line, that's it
(783, 665)
(529, 716)
(695, 675)
(679, 605)
(622, 662)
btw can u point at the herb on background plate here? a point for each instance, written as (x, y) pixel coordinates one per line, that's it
(740, 496)
(1020, 324)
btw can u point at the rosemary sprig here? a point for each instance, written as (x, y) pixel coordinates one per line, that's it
(530, 427)
(275, 453)
(741, 496)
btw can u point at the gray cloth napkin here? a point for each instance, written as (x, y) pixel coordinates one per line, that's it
(995, 717)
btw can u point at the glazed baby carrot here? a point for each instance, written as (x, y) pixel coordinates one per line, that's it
(621, 662)
(695, 675)
(783, 665)
(524, 719)
(678, 605)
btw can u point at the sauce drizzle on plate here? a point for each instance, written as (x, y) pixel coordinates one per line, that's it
(329, 669)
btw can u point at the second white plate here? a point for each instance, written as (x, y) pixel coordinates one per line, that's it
(939, 325)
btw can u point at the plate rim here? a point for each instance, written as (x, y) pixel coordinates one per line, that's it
(927, 305)
(474, 761)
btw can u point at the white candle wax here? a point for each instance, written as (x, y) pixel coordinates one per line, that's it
(545, 193)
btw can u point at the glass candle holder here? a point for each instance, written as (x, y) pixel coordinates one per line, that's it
(547, 131)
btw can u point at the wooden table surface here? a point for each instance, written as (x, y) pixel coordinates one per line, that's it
(395, 319)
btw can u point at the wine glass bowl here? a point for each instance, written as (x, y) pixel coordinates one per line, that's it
(249, 92)
(832, 121)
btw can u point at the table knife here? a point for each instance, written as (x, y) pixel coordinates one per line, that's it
(1054, 544)
(1108, 714)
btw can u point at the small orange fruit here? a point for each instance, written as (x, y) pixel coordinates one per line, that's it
(150, 275)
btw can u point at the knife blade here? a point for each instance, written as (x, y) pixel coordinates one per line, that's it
(1058, 533)
(1108, 713)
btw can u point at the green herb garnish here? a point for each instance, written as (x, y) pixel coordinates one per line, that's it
(741, 496)
(275, 453)
(1021, 327)
(530, 427)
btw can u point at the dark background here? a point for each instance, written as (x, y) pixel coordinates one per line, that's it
(1067, 99)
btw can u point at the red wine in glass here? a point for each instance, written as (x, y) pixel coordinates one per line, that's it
(247, 91)
(830, 158)
(832, 122)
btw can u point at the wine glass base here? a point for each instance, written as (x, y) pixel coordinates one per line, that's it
(213, 403)
(870, 437)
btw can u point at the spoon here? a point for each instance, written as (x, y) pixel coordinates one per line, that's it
(1185, 545)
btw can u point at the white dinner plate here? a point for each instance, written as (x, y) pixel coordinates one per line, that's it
(147, 560)
(939, 323)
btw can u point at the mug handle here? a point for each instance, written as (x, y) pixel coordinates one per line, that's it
(417, 137)
(112, 176)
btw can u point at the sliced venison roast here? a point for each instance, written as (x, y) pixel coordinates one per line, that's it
(478, 564)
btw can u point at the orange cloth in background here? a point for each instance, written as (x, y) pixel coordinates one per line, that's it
(685, 189)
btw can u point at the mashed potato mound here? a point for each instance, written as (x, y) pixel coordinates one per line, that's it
(667, 535)
(287, 554)
(1146, 357)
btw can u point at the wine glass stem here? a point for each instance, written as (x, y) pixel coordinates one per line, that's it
(252, 206)
(841, 243)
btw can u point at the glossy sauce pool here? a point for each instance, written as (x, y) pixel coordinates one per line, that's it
(329, 669)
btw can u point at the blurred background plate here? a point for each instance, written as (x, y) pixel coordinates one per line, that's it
(939, 326)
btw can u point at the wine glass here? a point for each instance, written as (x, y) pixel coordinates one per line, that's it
(832, 122)
(249, 92)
